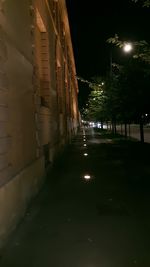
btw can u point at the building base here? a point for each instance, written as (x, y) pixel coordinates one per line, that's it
(16, 195)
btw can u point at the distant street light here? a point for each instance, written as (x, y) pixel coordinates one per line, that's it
(127, 47)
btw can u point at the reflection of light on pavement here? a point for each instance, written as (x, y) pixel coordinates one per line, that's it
(85, 154)
(87, 177)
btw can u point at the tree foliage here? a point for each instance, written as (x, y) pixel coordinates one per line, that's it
(95, 107)
(124, 97)
(145, 3)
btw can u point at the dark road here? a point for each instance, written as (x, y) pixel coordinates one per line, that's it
(100, 221)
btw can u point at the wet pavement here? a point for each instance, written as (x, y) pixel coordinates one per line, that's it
(92, 212)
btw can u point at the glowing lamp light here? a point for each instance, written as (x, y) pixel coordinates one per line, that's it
(87, 177)
(84, 145)
(127, 47)
(85, 154)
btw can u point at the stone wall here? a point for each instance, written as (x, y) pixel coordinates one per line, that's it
(38, 100)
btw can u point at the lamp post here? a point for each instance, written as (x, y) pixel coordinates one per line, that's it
(127, 48)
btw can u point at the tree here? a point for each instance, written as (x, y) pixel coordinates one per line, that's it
(95, 108)
(104, 104)
(145, 3)
(140, 68)
(124, 97)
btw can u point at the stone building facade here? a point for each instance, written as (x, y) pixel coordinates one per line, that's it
(38, 99)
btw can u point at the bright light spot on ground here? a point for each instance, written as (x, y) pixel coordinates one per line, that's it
(85, 154)
(87, 177)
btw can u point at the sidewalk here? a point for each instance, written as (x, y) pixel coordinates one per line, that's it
(100, 222)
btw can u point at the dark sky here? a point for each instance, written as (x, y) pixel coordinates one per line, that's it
(93, 22)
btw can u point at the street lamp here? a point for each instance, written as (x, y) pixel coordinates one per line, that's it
(127, 47)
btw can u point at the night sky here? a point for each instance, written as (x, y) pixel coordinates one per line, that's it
(92, 23)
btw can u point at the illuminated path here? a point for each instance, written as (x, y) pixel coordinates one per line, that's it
(94, 210)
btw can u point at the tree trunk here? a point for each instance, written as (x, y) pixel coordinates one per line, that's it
(141, 131)
(121, 129)
(125, 129)
(114, 131)
(110, 126)
(107, 126)
(115, 128)
(101, 125)
(129, 130)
